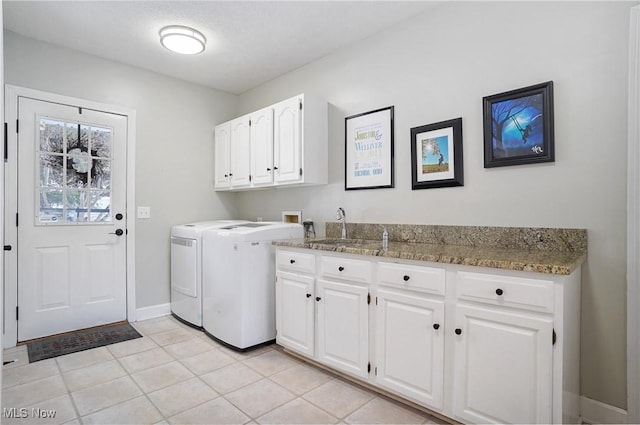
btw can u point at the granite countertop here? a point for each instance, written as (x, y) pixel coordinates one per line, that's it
(552, 251)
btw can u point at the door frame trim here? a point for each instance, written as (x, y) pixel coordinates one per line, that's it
(10, 286)
(633, 221)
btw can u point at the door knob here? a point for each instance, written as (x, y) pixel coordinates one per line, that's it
(436, 326)
(458, 331)
(119, 216)
(118, 232)
(340, 268)
(499, 292)
(318, 298)
(308, 295)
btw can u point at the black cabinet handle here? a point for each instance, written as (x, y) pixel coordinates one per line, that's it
(308, 295)
(226, 175)
(318, 298)
(499, 291)
(340, 268)
(275, 168)
(405, 278)
(118, 232)
(458, 331)
(230, 174)
(436, 326)
(292, 261)
(268, 169)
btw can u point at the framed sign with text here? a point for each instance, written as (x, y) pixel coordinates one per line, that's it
(369, 150)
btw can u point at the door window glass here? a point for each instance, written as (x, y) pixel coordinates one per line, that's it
(74, 173)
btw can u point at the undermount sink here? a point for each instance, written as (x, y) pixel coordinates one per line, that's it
(344, 242)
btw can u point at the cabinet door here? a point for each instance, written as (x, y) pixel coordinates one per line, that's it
(503, 366)
(262, 146)
(410, 346)
(240, 147)
(221, 152)
(287, 140)
(294, 312)
(343, 326)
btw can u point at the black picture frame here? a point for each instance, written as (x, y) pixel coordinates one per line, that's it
(369, 150)
(436, 155)
(518, 126)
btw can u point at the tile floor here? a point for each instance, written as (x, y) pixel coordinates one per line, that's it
(178, 375)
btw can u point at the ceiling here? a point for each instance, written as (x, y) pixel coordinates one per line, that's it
(248, 42)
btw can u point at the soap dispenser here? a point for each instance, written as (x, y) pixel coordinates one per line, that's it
(385, 239)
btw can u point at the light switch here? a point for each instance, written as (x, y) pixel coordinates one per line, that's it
(144, 212)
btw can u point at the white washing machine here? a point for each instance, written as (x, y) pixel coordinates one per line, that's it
(239, 282)
(186, 269)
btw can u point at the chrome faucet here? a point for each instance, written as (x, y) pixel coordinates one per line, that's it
(340, 215)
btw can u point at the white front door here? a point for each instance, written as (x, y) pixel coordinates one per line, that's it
(71, 218)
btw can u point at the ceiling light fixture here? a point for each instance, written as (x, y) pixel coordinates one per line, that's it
(184, 40)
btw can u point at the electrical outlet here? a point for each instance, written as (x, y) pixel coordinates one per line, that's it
(144, 212)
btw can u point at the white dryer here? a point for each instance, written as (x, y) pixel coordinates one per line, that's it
(186, 269)
(239, 282)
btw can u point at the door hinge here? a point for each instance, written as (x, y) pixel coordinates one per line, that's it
(6, 141)
(17, 126)
(369, 298)
(300, 172)
(249, 178)
(7, 247)
(300, 103)
(249, 123)
(369, 367)
(80, 110)
(375, 371)
(553, 337)
(17, 313)
(376, 300)
(16, 219)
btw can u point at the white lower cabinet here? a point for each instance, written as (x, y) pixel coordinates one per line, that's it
(342, 326)
(503, 366)
(409, 341)
(491, 346)
(295, 321)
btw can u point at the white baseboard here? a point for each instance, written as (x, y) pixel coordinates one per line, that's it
(595, 412)
(153, 311)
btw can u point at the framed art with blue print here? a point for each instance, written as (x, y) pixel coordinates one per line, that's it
(518, 126)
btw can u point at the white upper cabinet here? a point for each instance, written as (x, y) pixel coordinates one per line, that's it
(287, 140)
(222, 138)
(284, 144)
(240, 148)
(262, 146)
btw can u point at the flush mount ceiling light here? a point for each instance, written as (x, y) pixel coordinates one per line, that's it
(184, 40)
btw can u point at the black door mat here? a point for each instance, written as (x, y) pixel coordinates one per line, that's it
(84, 339)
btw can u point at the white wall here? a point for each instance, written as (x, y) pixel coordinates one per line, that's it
(438, 66)
(174, 142)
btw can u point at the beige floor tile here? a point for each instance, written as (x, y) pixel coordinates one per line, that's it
(58, 410)
(301, 378)
(207, 361)
(133, 346)
(17, 355)
(338, 398)
(145, 360)
(29, 372)
(218, 411)
(231, 377)
(243, 355)
(260, 397)
(110, 393)
(83, 359)
(271, 362)
(161, 376)
(181, 396)
(33, 392)
(380, 411)
(188, 348)
(157, 325)
(79, 379)
(172, 337)
(136, 411)
(297, 411)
